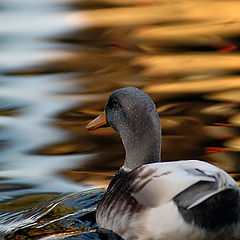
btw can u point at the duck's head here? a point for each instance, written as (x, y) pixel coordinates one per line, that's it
(133, 115)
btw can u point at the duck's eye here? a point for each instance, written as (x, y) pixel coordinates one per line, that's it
(115, 102)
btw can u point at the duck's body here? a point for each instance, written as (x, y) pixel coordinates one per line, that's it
(176, 200)
(147, 199)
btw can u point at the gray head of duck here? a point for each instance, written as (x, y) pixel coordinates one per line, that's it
(133, 114)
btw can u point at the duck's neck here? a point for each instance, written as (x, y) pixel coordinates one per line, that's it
(142, 144)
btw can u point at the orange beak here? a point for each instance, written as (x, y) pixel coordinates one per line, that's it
(98, 122)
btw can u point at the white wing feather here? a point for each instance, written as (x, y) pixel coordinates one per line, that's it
(172, 178)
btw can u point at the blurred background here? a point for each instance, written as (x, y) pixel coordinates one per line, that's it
(59, 62)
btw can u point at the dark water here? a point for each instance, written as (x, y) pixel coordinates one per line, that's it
(60, 60)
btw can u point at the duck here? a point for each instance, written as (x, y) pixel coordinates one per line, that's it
(149, 199)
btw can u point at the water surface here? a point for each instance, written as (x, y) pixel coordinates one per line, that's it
(60, 60)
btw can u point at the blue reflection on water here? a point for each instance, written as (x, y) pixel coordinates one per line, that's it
(32, 129)
(26, 26)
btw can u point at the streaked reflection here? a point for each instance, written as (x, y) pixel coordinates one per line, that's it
(43, 215)
(235, 120)
(59, 62)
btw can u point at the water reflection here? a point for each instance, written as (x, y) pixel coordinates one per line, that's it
(59, 62)
(40, 216)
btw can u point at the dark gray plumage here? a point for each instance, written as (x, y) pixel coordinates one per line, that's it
(133, 115)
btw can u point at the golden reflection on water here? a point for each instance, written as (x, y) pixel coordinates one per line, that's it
(181, 53)
(184, 54)
(162, 11)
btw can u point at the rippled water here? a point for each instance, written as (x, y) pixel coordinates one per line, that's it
(60, 60)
